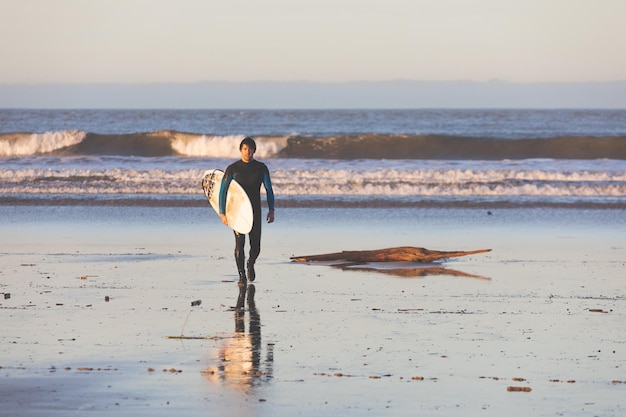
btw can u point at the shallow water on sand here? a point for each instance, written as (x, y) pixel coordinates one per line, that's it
(546, 306)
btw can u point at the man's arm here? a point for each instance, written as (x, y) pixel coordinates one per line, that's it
(267, 183)
(222, 197)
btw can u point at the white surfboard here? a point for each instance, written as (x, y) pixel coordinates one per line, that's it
(238, 206)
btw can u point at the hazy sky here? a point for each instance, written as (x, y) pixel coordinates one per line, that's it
(311, 40)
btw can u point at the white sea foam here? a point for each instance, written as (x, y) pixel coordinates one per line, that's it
(326, 182)
(40, 143)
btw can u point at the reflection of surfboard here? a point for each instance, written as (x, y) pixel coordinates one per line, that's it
(238, 207)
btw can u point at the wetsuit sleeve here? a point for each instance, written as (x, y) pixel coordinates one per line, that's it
(224, 192)
(267, 183)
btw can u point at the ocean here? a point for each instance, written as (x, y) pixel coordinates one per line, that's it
(319, 158)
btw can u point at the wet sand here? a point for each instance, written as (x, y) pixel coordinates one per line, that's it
(89, 296)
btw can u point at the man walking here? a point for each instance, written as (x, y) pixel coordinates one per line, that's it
(250, 174)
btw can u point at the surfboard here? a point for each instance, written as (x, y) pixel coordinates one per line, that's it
(238, 206)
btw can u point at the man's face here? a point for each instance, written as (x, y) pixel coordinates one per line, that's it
(246, 153)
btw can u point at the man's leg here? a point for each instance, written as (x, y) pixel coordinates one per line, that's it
(240, 256)
(255, 249)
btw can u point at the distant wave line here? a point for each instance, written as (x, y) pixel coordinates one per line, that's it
(308, 202)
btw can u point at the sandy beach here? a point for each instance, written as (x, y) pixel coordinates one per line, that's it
(90, 295)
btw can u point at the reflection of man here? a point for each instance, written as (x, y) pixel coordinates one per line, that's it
(240, 355)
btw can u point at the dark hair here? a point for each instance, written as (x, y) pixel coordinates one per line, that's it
(248, 141)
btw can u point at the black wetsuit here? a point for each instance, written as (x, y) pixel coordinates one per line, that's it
(250, 175)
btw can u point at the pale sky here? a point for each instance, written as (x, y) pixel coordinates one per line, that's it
(128, 41)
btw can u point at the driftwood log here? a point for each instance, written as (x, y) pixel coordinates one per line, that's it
(399, 254)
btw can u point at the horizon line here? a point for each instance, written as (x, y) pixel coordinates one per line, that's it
(394, 80)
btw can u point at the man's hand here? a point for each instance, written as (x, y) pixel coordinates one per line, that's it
(270, 216)
(224, 219)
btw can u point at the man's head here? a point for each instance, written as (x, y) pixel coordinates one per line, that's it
(247, 147)
(248, 141)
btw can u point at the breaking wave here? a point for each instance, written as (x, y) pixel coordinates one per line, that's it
(29, 144)
(346, 147)
(152, 144)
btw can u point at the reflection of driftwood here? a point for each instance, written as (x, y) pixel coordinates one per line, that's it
(400, 254)
(192, 337)
(408, 272)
